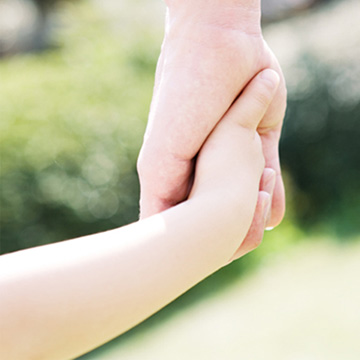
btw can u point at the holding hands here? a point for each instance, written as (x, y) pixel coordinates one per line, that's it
(230, 166)
(211, 50)
(210, 149)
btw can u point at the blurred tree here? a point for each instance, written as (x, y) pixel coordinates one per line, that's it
(320, 147)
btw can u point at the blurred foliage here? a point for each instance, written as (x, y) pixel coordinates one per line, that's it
(320, 146)
(71, 127)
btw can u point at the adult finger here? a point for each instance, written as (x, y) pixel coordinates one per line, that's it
(159, 191)
(271, 155)
(270, 130)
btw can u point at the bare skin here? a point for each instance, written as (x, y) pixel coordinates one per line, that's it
(61, 300)
(211, 50)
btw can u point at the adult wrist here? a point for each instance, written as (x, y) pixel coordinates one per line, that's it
(243, 15)
(243, 3)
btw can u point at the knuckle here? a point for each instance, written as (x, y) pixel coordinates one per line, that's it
(140, 164)
(144, 164)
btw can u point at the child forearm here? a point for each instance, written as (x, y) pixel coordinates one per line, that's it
(59, 301)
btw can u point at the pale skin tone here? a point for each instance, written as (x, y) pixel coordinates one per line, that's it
(62, 300)
(211, 50)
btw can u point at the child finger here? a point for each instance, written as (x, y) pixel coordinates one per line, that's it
(262, 214)
(251, 105)
(267, 181)
(256, 231)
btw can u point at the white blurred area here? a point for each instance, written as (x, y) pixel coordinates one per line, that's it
(24, 25)
(17, 22)
(331, 34)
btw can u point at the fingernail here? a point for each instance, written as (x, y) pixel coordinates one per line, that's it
(269, 228)
(271, 76)
(272, 183)
(270, 186)
(267, 210)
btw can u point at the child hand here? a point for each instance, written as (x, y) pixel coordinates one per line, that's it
(230, 165)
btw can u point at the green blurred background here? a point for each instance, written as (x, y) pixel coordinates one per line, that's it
(76, 80)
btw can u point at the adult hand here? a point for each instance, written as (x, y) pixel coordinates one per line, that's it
(211, 50)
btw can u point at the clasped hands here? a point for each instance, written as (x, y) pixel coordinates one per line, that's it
(210, 53)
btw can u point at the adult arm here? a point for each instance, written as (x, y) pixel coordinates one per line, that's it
(211, 50)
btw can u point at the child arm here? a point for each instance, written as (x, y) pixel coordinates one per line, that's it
(61, 300)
